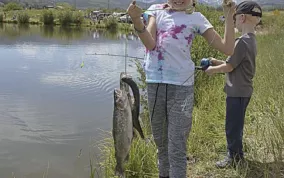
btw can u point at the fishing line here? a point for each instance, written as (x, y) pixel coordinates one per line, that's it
(125, 61)
(115, 55)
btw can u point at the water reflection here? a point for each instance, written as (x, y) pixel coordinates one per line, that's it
(24, 27)
(50, 107)
(62, 33)
(10, 31)
(47, 31)
(13, 31)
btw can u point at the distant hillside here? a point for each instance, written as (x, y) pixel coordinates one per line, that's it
(82, 4)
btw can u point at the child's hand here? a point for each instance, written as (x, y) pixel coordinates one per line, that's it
(134, 11)
(214, 61)
(210, 71)
(228, 7)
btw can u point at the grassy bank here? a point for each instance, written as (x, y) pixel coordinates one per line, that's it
(64, 18)
(264, 127)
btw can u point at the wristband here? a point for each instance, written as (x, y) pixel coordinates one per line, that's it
(140, 31)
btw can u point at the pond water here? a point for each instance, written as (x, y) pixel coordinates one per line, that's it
(50, 107)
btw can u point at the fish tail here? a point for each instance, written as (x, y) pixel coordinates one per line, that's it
(136, 109)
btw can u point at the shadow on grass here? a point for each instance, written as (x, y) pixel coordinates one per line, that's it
(255, 169)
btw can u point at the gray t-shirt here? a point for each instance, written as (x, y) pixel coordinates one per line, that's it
(239, 82)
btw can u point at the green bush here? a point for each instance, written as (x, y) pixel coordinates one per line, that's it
(78, 18)
(68, 17)
(47, 17)
(111, 23)
(65, 17)
(23, 17)
(12, 6)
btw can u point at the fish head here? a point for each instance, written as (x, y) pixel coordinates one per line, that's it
(124, 75)
(119, 99)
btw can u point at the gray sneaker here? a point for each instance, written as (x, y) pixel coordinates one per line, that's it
(229, 161)
(224, 163)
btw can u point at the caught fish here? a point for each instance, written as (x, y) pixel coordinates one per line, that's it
(135, 105)
(122, 130)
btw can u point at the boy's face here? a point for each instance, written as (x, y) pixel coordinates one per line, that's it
(180, 4)
(239, 21)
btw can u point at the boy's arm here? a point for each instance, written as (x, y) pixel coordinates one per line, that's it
(219, 66)
(216, 62)
(222, 68)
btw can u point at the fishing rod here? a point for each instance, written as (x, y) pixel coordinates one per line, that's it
(204, 64)
(114, 55)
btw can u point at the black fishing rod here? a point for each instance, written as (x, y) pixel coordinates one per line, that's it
(204, 64)
(116, 55)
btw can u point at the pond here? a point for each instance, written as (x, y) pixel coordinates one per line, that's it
(50, 107)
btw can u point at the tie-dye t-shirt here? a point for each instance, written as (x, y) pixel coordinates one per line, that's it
(170, 61)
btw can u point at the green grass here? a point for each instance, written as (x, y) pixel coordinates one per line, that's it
(264, 127)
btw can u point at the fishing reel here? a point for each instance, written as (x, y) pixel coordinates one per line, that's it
(204, 64)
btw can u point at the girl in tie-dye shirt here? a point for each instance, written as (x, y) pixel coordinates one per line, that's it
(170, 61)
(170, 73)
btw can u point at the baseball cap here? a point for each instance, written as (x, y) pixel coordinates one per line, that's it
(249, 7)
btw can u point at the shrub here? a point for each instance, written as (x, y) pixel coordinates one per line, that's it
(111, 23)
(65, 17)
(68, 17)
(12, 6)
(78, 18)
(23, 17)
(47, 17)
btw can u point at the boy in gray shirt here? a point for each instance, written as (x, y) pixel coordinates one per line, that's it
(240, 70)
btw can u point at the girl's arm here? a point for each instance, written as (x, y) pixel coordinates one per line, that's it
(148, 37)
(227, 44)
